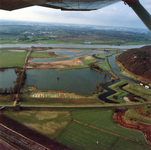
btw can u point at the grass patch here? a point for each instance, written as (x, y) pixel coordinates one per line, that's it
(120, 93)
(25, 100)
(9, 48)
(138, 90)
(146, 109)
(30, 96)
(138, 43)
(101, 56)
(124, 71)
(81, 137)
(104, 66)
(132, 115)
(123, 144)
(6, 98)
(88, 60)
(12, 59)
(49, 123)
(103, 119)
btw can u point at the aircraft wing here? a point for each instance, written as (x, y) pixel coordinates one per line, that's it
(75, 5)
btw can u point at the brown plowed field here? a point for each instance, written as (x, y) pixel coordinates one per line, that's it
(119, 118)
(37, 137)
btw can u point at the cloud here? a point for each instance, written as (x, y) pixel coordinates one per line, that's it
(116, 14)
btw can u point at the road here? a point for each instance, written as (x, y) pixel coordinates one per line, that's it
(78, 106)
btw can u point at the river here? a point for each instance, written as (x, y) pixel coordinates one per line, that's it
(70, 46)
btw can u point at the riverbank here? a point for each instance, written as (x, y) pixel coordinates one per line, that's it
(129, 74)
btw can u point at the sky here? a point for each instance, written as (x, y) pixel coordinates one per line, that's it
(118, 15)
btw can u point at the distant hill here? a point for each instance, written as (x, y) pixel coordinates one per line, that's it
(137, 61)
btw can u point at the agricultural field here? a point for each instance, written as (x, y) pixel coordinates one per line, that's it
(123, 144)
(12, 59)
(48, 123)
(79, 136)
(18, 32)
(80, 128)
(102, 119)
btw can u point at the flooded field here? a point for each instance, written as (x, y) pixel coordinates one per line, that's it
(7, 78)
(79, 81)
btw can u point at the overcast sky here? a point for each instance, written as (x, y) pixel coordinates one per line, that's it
(116, 14)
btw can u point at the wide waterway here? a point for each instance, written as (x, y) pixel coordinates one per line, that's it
(70, 46)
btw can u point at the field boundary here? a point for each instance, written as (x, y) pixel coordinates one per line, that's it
(107, 132)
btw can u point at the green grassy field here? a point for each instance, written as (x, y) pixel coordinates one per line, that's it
(123, 144)
(81, 137)
(139, 43)
(146, 109)
(88, 60)
(102, 56)
(58, 124)
(12, 59)
(104, 66)
(132, 115)
(49, 123)
(103, 119)
(9, 48)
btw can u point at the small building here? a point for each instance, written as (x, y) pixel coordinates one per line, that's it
(146, 87)
(127, 99)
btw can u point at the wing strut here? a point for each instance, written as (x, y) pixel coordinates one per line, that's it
(143, 14)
